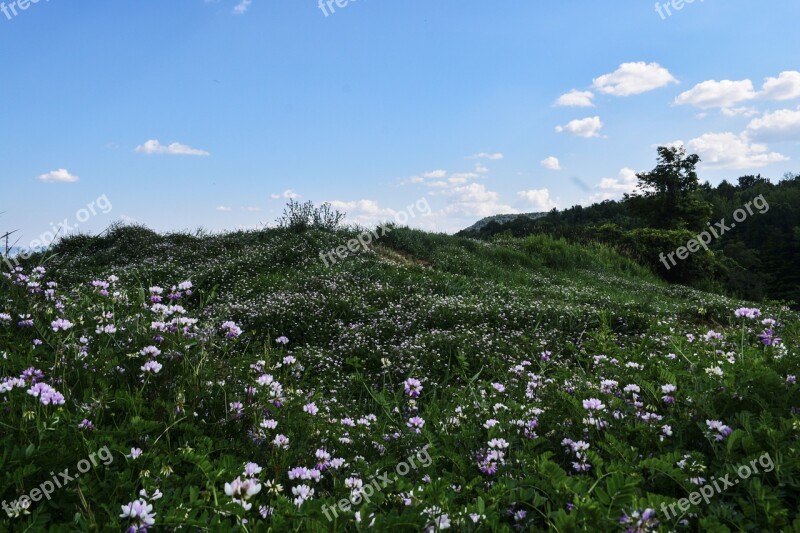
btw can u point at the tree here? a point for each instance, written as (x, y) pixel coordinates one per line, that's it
(666, 197)
(746, 182)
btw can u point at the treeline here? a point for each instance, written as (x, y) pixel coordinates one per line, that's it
(757, 257)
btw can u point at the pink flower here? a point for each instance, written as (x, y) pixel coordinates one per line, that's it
(415, 424)
(61, 324)
(413, 387)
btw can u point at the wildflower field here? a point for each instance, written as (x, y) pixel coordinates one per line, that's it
(236, 383)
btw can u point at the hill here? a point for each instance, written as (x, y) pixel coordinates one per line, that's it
(502, 219)
(743, 251)
(237, 382)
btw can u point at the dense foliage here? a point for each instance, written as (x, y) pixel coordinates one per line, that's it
(758, 259)
(238, 384)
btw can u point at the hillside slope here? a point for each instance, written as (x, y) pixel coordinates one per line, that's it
(524, 383)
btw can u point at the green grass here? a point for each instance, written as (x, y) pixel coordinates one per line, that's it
(469, 319)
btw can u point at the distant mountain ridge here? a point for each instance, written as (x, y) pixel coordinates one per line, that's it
(501, 219)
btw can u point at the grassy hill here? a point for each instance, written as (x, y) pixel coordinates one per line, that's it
(434, 381)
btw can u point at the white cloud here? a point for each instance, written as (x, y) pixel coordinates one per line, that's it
(538, 199)
(288, 194)
(367, 212)
(781, 125)
(435, 174)
(717, 94)
(634, 78)
(785, 87)
(223, 208)
(252, 209)
(725, 94)
(576, 98)
(739, 111)
(731, 151)
(58, 176)
(483, 155)
(441, 179)
(614, 188)
(242, 7)
(585, 127)
(154, 147)
(475, 200)
(626, 182)
(551, 162)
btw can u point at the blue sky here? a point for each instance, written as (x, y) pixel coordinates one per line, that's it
(197, 113)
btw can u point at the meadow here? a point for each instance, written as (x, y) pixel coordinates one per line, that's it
(234, 382)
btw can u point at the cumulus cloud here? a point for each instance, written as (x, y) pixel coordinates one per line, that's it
(475, 200)
(785, 87)
(614, 188)
(585, 127)
(717, 94)
(551, 162)
(781, 125)
(726, 94)
(154, 147)
(58, 176)
(480, 168)
(437, 174)
(576, 98)
(739, 111)
(484, 155)
(634, 78)
(731, 151)
(224, 209)
(624, 183)
(242, 7)
(288, 194)
(538, 199)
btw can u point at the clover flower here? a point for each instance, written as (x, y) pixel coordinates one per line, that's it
(718, 430)
(413, 387)
(47, 395)
(415, 424)
(769, 338)
(240, 490)
(141, 513)
(640, 521)
(252, 469)
(151, 367)
(746, 312)
(61, 324)
(302, 493)
(231, 329)
(593, 404)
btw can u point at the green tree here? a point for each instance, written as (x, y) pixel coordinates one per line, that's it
(667, 196)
